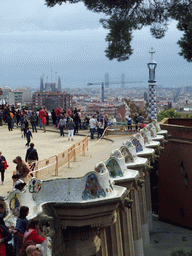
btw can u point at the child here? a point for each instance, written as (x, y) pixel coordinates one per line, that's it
(28, 136)
(20, 228)
(32, 233)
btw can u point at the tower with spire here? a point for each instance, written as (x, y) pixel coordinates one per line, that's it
(152, 114)
(59, 84)
(106, 80)
(41, 84)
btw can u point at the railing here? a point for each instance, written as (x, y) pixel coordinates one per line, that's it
(52, 164)
(123, 129)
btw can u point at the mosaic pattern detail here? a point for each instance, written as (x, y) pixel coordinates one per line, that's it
(140, 138)
(114, 168)
(152, 102)
(116, 154)
(128, 144)
(157, 126)
(146, 141)
(34, 186)
(146, 135)
(151, 131)
(127, 155)
(92, 189)
(15, 204)
(100, 168)
(137, 145)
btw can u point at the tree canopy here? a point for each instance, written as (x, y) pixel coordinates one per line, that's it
(136, 109)
(168, 113)
(125, 16)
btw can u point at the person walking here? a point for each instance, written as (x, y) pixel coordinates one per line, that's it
(31, 154)
(41, 114)
(44, 120)
(76, 120)
(26, 125)
(70, 128)
(100, 128)
(62, 125)
(33, 120)
(22, 123)
(53, 115)
(135, 121)
(9, 122)
(3, 166)
(92, 126)
(28, 136)
(129, 122)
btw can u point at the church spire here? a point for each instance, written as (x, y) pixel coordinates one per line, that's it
(59, 84)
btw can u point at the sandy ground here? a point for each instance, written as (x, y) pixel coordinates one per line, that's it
(47, 144)
(50, 143)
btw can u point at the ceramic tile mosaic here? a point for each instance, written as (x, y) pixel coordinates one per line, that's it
(137, 144)
(92, 189)
(127, 155)
(114, 168)
(130, 147)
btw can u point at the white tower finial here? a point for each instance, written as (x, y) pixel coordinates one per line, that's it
(152, 52)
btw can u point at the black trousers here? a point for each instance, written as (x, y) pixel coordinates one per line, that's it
(2, 175)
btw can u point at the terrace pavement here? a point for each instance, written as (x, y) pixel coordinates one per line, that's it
(163, 238)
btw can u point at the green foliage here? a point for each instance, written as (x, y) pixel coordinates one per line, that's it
(181, 252)
(119, 38)
(24, 107)
(124, 16)
(169, 113)
(136, 109)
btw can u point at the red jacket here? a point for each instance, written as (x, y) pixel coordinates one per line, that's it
(44, 120)
(57, 111)
(41, 113)
(32, 234)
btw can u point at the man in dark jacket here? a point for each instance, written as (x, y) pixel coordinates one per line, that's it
(31, 154)
(28, 136)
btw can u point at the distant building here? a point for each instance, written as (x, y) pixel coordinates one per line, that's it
(109, 109)
(139, 103)
(50, 87)
(12, 96)
(51, 100)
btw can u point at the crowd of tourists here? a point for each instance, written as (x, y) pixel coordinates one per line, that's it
(70, 120)
(27, 241)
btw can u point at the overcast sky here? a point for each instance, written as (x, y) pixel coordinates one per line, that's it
(70, 41)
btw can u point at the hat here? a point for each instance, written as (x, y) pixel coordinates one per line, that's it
(30, 249)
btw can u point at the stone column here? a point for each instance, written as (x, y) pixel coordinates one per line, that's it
(143, 212)
(126, 228)
(136, 222)
(114, 238)
(148, 199)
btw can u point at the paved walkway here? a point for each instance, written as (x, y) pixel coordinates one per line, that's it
(50, 143)
(164, 237)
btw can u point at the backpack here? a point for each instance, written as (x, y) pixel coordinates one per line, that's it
(129, 120)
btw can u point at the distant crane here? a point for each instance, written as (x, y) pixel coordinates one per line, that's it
(102, 86)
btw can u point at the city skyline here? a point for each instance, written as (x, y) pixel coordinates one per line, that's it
(70, 41)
